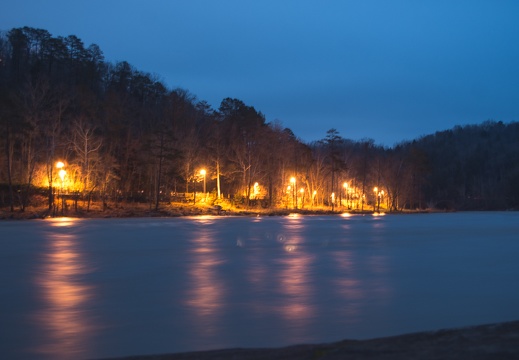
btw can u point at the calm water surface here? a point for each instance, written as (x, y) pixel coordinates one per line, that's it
(104, 288)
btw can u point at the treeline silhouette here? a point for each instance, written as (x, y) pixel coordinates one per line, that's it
(123, 135)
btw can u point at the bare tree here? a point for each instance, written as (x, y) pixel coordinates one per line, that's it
(86, 145)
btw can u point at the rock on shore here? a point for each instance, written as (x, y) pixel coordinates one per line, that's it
(494, 341)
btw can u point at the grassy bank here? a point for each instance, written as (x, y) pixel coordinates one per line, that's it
(123, 210)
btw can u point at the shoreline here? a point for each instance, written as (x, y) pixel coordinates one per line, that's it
(480, 342)
(181, 210)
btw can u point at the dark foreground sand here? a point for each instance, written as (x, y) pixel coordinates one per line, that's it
(495, 341)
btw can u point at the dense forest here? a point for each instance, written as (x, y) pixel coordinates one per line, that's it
(75, 124)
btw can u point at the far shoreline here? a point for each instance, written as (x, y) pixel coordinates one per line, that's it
(184, 210)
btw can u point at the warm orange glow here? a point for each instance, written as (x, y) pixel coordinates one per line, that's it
(68, 326)
(205, 295)
(62, 221)
(293, 180)
(202, 172)
(348, 287)
(290, 248)
(60, 165)
(205, 219)
(295, 281)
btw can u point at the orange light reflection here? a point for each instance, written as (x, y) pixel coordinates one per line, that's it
(67, 323)
(206, 292)
(295, 279)
(348, 286)
(62, 221)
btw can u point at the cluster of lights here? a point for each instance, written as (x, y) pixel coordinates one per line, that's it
(351, 193)
(62, 172)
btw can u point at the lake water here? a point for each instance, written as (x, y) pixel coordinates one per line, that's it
(114, 287)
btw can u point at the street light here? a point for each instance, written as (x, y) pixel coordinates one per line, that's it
(379, 196)
(294, 199)
(61, 174)
(345, 186)
(203, 172)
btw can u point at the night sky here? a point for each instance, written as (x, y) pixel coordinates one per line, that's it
(386, 70)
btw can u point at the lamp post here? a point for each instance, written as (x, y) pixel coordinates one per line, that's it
(345, 186)
(375, 190)
(61, 174)
(379, 195)
(203, 172)
(294, 198)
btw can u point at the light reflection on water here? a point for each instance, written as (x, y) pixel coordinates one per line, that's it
(63, 318)
(107, 288)
(206, 289)
(295, 279)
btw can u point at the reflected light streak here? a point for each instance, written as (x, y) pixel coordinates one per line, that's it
(205, 219)
(295, 280)
(65, 296)
(259, 276)
(348, 286)
(290, 247)
(206, 292)
(297, 287)
(294, 223)
(63, 221)
(206, 296)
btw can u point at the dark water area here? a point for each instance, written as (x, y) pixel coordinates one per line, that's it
(93, 288)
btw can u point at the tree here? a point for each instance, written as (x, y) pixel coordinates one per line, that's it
(244, 126)
(86, 145)
(332, 141)
(7, 123)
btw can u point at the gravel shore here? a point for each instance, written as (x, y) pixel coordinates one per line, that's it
(494, 341)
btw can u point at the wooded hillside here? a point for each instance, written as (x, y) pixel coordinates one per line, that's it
(121, 135)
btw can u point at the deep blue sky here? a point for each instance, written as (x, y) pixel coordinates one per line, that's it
(386, 70)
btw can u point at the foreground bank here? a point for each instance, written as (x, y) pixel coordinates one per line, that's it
(494, 341)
